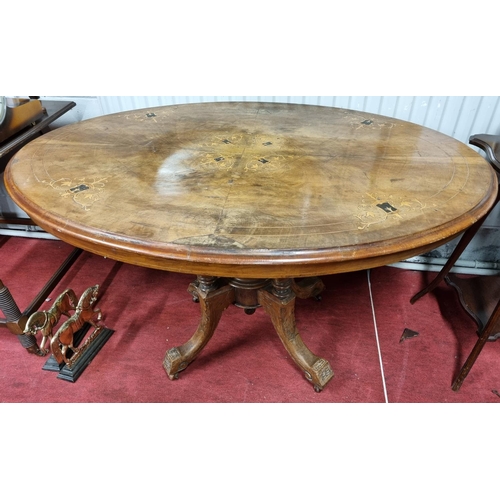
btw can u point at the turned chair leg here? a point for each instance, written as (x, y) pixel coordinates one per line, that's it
(16, 321)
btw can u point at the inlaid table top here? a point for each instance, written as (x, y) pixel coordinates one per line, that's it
(273, 190)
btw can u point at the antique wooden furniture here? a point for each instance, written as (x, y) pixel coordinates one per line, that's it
(480, 296)
(16, 114)
(11, 143)
(16, 130)
(256, 199)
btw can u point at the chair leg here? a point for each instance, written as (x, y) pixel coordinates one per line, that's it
(16, 321)
(461, 246)
(483, 338)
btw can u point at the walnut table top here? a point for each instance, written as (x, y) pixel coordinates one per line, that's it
(273, 189)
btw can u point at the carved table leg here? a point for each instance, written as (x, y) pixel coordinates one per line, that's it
(280, 305)
(213, 301)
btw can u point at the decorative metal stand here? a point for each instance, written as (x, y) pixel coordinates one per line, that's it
(71, 347)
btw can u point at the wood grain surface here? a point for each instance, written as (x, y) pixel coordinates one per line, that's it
(251, 189)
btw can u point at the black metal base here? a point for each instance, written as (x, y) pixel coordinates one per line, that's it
(72, 374)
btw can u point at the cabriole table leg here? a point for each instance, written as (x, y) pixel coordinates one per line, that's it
(213, 301)
(280, 305)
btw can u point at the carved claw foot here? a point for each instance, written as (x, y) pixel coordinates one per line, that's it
(319, 374)
(174, 363)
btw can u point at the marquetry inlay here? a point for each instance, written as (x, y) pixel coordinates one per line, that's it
(242, 151)
(83, 191)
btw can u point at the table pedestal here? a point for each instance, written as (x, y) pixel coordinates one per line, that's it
(276, 296)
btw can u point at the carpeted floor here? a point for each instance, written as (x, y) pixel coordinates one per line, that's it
(357, 326)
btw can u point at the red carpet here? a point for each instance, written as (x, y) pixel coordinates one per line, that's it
(245, 361)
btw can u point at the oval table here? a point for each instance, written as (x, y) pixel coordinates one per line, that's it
(258, 200)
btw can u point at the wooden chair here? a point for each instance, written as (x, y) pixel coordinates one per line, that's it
(490, 144)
